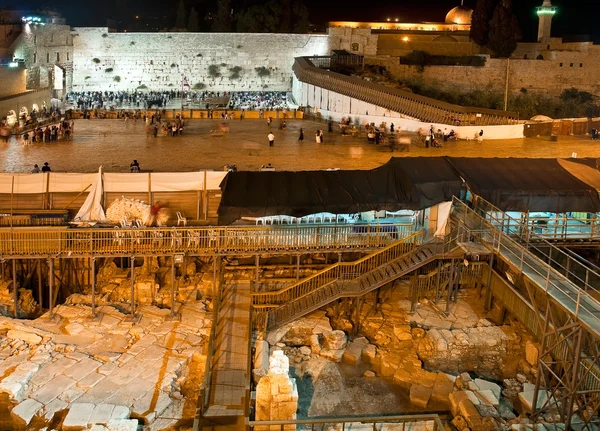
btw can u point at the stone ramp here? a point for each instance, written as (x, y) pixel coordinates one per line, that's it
(230, 361)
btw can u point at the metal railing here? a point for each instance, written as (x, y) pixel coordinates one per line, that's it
(370, 423)
(336, 272)
(574, 299)
(578, 271)
(31, 242)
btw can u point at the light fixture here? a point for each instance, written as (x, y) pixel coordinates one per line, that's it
(389, 19)
(397, 19)
(405, 38)
(13, 64)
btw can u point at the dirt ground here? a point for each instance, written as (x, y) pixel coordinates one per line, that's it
(115, 143)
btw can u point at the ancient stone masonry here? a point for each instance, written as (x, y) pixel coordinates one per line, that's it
(160, 61)
(78, 372)
(464, 363)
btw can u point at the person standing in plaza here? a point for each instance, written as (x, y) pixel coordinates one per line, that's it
(25, 139)
(301, 136)
(271, 138)
(269, 122)
(46, 167)
(35, 170)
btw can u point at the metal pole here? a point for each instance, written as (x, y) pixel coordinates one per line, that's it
(297, 267)
(506, 88)
(488, 286)
(173, 285)
(93, 270)
(438, 281)
(132, 286)
(450, 284)
(51, 287)
(15, 288)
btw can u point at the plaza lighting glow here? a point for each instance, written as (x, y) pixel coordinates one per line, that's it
(405, 38)
(31, 20)
(13, 64)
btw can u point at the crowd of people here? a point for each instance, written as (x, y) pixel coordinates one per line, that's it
(121, 99)
(155, 127)
(259, 100)
(50, 133)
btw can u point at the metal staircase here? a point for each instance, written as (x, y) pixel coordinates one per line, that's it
(348, 279)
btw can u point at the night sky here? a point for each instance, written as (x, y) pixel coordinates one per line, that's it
(575, 17)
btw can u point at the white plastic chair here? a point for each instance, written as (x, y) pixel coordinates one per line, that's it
(181, 219)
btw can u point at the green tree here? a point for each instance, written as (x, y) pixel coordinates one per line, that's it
(273, 17)
(180, 19)
(223, 18)
(505, 31)
(193, 21)
(300, 23)
(480, 21)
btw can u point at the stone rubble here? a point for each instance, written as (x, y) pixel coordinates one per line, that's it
(99, 373)
(479, 376)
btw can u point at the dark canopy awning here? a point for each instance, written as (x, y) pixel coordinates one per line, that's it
(526, 184)
(402, 183)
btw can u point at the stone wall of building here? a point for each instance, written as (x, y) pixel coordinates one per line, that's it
(42, 48)
(13, 80)
(160, 61)
(557, 72)
(355, 40)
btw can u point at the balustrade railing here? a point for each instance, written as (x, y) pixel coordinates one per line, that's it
(197, 240)
(344, 270)
(409, 104)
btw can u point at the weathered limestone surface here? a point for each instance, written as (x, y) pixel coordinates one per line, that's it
(149, 59)
(106, 367)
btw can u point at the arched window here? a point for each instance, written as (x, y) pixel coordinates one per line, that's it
(539, 57)
(525, 57)
(355, 47)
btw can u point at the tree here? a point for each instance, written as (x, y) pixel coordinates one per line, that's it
(193, 21)
(223, 21)
(273, 17)
(180, 19)
(480, 21)
(505, 31)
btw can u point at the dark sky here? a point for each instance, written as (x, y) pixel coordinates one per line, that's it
(575, 17)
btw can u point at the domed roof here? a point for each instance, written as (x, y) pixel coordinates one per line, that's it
(459, 15)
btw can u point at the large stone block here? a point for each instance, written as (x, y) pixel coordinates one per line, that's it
(334, 340)
(420, 395)
(24, 412)
(531, 353)
(29, 337)
(442, 388)
(78, 417)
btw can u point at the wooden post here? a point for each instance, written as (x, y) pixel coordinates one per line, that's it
(214, 287)
(15, 287)
(93, 270)
(297, 267)
(12, 193)
(51, 287)
(172, 285)
(256, 272)
(205, 194)
(450, 286)
(40, 293)
(132, 287)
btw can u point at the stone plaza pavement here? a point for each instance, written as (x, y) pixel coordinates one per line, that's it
(107, 372)
(115, 143)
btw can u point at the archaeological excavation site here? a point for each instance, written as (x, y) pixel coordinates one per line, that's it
(460, 317)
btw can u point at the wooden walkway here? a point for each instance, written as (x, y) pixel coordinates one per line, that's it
(230, 372)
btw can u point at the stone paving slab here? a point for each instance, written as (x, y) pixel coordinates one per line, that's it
(49, 392)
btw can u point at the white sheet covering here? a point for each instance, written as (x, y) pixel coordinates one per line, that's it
(70, 183)
(137, 182)
(443, 214)
(92, 210)
(24, 183)
(176, 181)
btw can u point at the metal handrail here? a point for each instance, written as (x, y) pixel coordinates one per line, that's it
(337, 271)
(344, 421)
(582, 306)
(534, 241)
(30, 242)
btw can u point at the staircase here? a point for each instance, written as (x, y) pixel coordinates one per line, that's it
(347, 280)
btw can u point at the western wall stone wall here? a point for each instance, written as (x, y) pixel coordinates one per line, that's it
(159, 61)
(550, 77)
